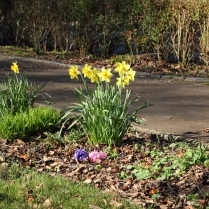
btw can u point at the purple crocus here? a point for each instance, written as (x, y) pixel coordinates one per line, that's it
(80, 154)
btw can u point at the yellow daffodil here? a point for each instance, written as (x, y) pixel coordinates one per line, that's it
(14, 67)
(126, 81)
(94, 76)
(87, 71)
(73, 72)
(122, 68)
(121, 82)
(105, 75)
(131, 74)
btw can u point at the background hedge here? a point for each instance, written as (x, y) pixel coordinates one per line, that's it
(166, 27)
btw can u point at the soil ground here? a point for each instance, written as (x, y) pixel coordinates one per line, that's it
(180, 105)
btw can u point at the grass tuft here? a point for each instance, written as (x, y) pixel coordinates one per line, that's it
(31, 122)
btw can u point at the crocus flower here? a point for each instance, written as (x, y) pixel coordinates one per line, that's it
(97, 156)
(80, 154)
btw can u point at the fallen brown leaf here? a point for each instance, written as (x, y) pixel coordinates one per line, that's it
(30, 199)
(77, 170)
(87, 181)
(94, 207)
(153, 191)
(20, 142)
(47, 203)
(116, 204)
(24, 157)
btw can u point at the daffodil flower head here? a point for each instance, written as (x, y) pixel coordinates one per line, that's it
(86, 70)
(126, 80)
(122, 68)
(105, 75)
(122, 81)
(14, 67)
(119, 82)
(131, 74)
(73, 72)
(94, 76)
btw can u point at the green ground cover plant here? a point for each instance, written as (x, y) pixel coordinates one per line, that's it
(168, 166)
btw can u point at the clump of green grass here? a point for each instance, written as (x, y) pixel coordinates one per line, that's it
(27, 123)
(17, 94)
(24, 189)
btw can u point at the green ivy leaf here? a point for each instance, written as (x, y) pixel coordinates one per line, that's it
(141, 173)
(129, 167)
